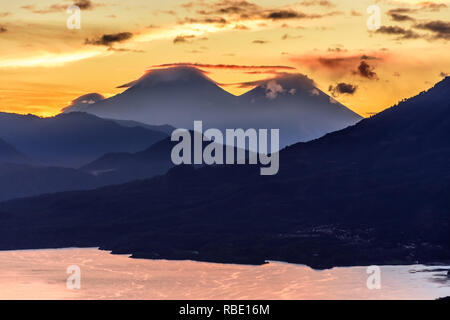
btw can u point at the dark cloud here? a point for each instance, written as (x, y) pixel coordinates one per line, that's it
(402, 33)
(5, 14)
(340, 63)
(401, 17)
(440, 29)
(292, 14)
(288, 14)
(239, 10)
(337, 49)
(342, 88)
(222, 66)
(355, 13)
(366, 57)
(444, 74)
(401, 14)
(260, 41)
(183, 39)
(366, 71)
(287, 36)
(110, 39)
(82, 4)
(3, 29)
(322, 3)
(205, 20)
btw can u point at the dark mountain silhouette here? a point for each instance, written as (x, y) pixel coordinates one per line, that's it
(165, 128)
(72, 139)
(301, 110)
(27, 180)
(114, 168)
(23, 180)
(10, 154)
(180, 95)
(373, 193)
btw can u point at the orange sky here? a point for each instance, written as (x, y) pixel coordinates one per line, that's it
(44, 65)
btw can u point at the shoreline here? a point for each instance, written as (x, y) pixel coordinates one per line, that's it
(444, 264)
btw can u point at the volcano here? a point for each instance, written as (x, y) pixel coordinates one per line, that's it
(178, 96)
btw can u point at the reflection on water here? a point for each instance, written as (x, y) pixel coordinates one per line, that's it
(41, 274)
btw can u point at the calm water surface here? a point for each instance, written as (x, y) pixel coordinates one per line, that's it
(41, 274)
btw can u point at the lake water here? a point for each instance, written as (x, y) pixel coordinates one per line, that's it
(41, 274)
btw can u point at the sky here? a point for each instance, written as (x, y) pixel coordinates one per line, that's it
(44, 65)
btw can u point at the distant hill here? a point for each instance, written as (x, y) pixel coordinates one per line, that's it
(165, 128)
(23, 180)
(82, 103)
(73, 139)
(114, 168)
(10, 154)
(178, 96)
(374, 193)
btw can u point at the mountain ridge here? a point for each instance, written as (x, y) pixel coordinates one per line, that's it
(181, 95)
(72, 139)
(333, 203)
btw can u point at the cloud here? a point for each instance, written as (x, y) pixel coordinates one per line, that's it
(322, 3)
(336, 49)
(48, 59)
(288, 14)
(366, 71)
(183, 39)
(337, 63)
(440, 29)
(125, 50)
(273, 89)
(50, 9)
(243, 10)
(399, 17)
(260, 41)
(204, 20)
(444, 74)
(404, 34)
(404, 13)
(342, 88)
(110, 39)
(3, 29)
(292, 14)
(82, 4)
(225, 66)
(287, 80)
(432, 6)
(287, 36)
(5, 14)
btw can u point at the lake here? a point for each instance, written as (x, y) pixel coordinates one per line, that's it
(42, 274)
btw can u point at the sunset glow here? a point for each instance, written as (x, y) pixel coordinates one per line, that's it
(44, 65)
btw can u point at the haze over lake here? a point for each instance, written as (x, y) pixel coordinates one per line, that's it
(41, 274)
